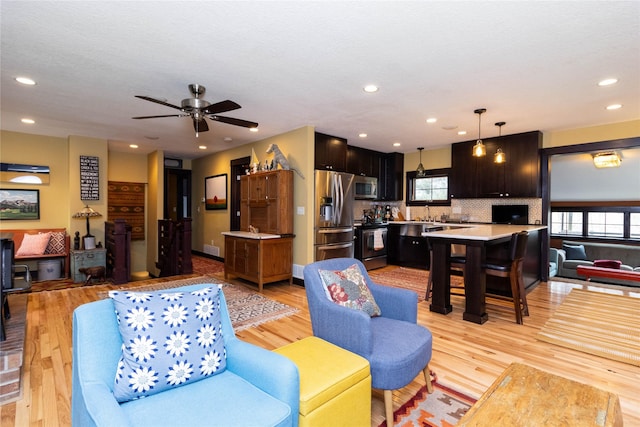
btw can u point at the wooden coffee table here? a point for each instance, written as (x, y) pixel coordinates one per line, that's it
(525, 396)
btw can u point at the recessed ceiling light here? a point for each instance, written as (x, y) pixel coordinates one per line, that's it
(432, 120)
(227, 139)
(362, 135)
(253, 129)
(152, 138)
(202, 147)
(607, 82)
(450, 127)
(28, 121)
(614, 106)
(462, 132)
(133, 146)
(25, 81)
(371, 88)
(396, 144)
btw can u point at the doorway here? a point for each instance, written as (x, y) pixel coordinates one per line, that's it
(177, 194)
(238, 168)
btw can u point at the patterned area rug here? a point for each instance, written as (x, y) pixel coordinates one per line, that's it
(408, 278)
(597, 323)
(443, 408)
(246, 308)
(204, 265)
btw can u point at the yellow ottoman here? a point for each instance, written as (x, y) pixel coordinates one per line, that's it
(335, 384)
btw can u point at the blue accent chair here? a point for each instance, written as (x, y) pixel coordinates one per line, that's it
(258, 388)
(397, 348)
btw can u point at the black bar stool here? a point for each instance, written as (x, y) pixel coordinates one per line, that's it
(512, 269)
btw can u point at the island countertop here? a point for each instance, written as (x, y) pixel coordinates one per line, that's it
(483, 232)
(249, 235)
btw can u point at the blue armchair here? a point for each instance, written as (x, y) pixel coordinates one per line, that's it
(258, 388)
(397, 348)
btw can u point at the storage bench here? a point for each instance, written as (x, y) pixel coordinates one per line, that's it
(335, 384)
(59, 250)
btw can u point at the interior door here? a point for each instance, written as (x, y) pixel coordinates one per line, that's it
(177, 194)
(238, 168)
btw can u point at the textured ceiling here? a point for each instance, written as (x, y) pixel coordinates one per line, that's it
(534, 65)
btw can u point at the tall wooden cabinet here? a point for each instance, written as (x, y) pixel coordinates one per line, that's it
(266, 204)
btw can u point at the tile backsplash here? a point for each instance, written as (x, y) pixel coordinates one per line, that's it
(475, 210)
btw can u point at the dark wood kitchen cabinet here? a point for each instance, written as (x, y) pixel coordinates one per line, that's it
(363, 162)
(391, 179)
(473, 177)
(406, 251)
(330, 152)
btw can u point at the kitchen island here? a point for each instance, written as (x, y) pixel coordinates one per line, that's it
(478, 240)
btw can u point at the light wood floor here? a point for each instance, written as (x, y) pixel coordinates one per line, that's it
(466, 356)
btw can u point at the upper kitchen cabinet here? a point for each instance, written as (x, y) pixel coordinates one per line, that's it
(266, 202)
(473, 177)
(363, 162)
(463, 178)
(391, 177)
(330, 153)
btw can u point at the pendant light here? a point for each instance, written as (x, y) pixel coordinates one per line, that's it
(479, 150)
(420, 169)
(500, 156)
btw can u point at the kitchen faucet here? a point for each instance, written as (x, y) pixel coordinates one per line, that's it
(428, 213)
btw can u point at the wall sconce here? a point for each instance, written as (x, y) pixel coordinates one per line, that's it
(479, 150)
(610, 159)
(500, 156)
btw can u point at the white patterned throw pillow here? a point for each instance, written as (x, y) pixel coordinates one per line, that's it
(168, 339)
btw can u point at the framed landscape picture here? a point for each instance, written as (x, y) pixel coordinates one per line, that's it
(19, 204)
(215, 192)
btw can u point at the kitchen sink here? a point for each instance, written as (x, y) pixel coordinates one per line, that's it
(420, 229)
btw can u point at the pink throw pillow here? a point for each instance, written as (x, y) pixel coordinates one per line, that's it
(33, 244)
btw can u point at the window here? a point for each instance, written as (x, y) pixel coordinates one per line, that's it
(432, 189)
(634, 220)
(598, 222)
(566, 223)
(605, 224)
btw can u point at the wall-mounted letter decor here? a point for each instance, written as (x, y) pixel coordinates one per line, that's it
(89, 178)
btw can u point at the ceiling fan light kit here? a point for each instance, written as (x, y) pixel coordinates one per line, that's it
(199, 109)
(479, 150)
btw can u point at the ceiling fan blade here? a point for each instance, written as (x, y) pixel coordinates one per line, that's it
(155, 117)
(232, 121)
(200, 125)
(221, 107)
(157, 101)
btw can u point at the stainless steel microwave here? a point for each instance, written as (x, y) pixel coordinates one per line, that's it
(366, 187)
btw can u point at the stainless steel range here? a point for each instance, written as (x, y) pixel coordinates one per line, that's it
(371, 245)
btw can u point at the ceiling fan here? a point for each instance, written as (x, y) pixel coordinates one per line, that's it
(197, 108)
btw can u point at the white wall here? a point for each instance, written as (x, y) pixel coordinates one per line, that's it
(575, 178)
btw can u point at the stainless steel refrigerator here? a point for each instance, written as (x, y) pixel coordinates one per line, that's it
(333, 215)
